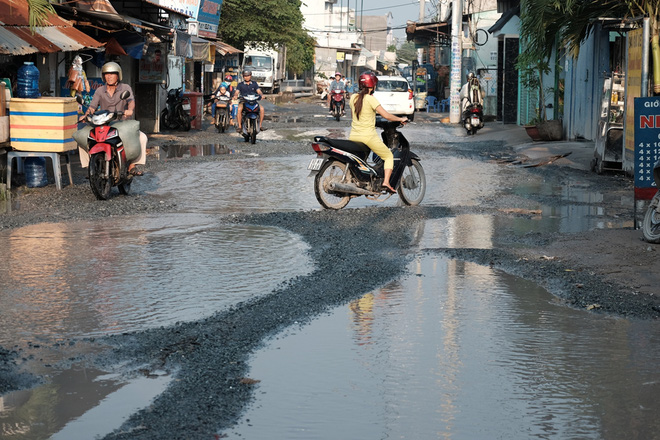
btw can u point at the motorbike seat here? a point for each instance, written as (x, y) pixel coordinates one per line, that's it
(357, 148)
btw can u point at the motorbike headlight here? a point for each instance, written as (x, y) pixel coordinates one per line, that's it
(102, 118)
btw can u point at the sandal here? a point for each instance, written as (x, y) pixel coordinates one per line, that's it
(136, 172)
(387, 189)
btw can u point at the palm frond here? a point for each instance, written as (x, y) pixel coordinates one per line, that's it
(39, 10)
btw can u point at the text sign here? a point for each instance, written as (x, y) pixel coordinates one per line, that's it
(647, 140)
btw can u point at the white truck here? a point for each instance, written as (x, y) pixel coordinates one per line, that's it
(268, 66)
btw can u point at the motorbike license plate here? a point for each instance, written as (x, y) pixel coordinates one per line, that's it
(186, 106)
(315, 164)
(475, 121)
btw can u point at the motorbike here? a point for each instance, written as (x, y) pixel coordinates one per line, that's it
(342, 170)
(175, 114)
(651, 223)
(108, 165)
(222, 112)
(250, 118)
(473, 118)
(336, 103)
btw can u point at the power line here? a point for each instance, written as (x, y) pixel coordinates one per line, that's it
(373, 9)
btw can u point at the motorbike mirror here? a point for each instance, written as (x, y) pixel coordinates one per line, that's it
(125, 94)
(79, 99)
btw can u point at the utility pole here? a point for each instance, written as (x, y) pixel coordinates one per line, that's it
(456, 55)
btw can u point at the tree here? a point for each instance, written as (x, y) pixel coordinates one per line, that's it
(406, 52)
(39, 10)
(274, 22)
(546, 25)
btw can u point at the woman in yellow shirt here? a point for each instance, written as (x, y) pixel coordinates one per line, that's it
(363, 126)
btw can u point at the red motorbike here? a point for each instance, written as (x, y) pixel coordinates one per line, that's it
(336, 103)
(108, 165)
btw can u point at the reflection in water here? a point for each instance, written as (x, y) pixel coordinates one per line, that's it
(112, 276)
(179, 151)
(458, 350)
(79, 403)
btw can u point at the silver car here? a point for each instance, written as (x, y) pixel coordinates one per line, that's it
(396, 96)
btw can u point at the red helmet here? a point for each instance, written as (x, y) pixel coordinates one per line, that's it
(368, 79)
(228, 77)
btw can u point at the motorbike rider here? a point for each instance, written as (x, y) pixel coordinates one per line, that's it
(337, 84)
(248, 87)
(470, 92)
(234, 103)
(227, 89)
(364, 107)
(107, 97)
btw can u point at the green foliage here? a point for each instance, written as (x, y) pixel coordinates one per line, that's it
(391, 48)
(300, 57)
(275, 22)
(406, 52)
(39, 11)
(546, 25)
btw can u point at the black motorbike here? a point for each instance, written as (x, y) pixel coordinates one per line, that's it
(176, 115)
(222, 112)
(473, 118)
(651, 224)
(342, 170)
(250, 117)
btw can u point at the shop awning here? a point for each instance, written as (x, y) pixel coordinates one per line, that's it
(225, 49)
(366, 59)
(58, 35)
(203, 50)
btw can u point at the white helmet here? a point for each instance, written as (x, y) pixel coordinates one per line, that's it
(111, 67)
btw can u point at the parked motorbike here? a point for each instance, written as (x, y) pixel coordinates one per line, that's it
(108, 165)
(651, 223)
(342, 170)
(175, 114)
(222, 112)
(250, 118)
(473, 118)
(336, 103)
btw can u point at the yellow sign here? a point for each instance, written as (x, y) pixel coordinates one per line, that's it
(340, 56)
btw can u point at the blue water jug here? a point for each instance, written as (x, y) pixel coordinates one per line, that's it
(35, 172)
(27, 82)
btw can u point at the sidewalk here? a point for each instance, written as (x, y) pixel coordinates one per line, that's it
(577, 154)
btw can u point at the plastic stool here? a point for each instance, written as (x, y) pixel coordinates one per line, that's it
(54, 158)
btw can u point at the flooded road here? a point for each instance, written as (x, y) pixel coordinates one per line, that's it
(428, 354)
(457, 351)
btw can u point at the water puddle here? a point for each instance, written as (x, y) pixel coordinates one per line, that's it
(179, 151)
(267, 184)
(457, 350)
(77, 404)
(287, 119)
(119, 275)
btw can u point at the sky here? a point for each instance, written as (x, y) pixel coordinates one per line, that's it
(402, 11)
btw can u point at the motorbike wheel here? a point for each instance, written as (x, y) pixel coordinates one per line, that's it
(412, 185)
(226, 124)
(125, 187)
(331, 171)
(184, 118)
(473, 131)
(167, 122)
(337, 113)
(100, 185)
(253, 132)
(651, 224)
